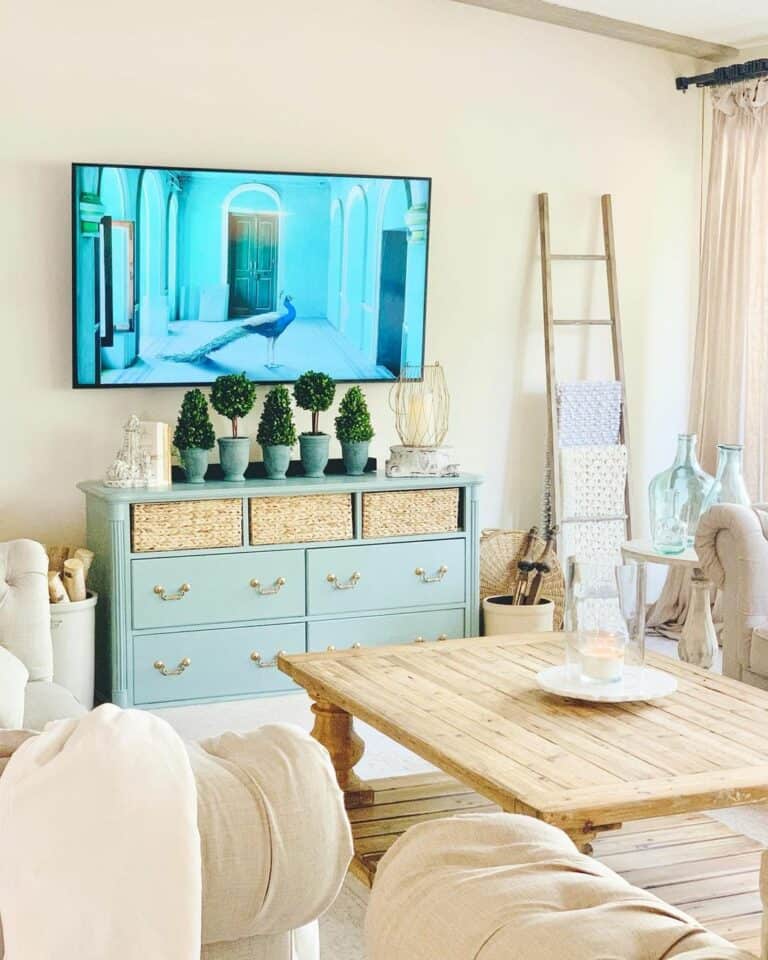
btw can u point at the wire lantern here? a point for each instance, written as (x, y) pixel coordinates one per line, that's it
(421, 404)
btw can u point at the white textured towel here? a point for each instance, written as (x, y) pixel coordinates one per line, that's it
(589, 412)
(99, 842)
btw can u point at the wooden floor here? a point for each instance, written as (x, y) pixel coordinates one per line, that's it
(691, 861)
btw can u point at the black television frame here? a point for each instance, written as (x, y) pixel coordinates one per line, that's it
(275, 173)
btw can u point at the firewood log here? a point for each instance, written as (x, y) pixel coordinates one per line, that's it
(82, 553)
(56, 591)
(56, 558)
(74, 579)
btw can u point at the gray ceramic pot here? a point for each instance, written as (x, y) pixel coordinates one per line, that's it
(355, 456)
(314, 453)
(234, 454)
(277, 459)
(195, 462)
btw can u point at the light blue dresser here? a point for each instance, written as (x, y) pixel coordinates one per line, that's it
(201, 586)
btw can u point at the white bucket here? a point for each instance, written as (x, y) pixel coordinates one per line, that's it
(73, 630)
(501, 617)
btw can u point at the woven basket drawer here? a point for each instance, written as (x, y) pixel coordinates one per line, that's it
(400, 513)
(186, 525)
(324, 516)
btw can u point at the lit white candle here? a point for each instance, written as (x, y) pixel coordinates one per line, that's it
(602, 657)
(419, 421)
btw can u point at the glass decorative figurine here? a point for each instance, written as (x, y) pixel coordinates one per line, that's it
(677, 497)
(729, 486)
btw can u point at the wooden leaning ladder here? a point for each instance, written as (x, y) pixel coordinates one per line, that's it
(613, 321)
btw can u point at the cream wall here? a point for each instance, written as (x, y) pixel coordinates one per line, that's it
(493, 107)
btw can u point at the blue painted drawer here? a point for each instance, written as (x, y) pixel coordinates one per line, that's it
(220, 662)
(222, 588)
(384, 576)
(379, 631)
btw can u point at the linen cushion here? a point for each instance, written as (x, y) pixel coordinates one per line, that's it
(505, 887)
(45, 701)
(275, 837)
(25, 618)
(13, 680)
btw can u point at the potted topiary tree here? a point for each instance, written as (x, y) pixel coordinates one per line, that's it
(194, 435)
(314, 391)
(233, 396)
(277, 432)
(354, 430)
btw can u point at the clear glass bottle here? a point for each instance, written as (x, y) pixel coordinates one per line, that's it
(729, 486)
(677, 497)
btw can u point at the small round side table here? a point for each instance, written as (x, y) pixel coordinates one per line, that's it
(698, 642)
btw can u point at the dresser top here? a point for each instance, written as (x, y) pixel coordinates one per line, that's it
(261, 487)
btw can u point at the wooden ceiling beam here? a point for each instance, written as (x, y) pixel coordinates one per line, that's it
(607, 27)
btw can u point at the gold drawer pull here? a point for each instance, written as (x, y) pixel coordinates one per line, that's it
(443, 636)
(183, 591)
(441, 572)
(182, 666)
(330, 648)
(256, 658)
(356, 646)
(349, 585)
(419, 640)
(276, 587)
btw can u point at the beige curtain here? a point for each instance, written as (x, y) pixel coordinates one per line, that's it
(729, 397)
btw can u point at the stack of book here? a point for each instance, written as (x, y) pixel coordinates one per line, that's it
(155, 438)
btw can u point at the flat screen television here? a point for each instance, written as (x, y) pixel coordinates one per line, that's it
(181, 275)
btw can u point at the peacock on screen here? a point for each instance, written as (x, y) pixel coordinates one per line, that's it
(181, 275)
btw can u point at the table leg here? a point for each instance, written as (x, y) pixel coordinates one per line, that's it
(698, 641)
(583, 836)
(583, 842)
(334, 729)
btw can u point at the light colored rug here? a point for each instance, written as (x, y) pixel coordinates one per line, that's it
(342, 927)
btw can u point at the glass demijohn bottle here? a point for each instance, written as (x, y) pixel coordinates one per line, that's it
(677, 497)
(729, 486)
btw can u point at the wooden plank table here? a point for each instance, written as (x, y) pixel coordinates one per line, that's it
(472, 708)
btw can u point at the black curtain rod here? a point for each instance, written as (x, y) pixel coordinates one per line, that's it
(750, 70)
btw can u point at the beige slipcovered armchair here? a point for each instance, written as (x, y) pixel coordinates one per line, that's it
(275, 841)
(732, 544)
(29, 697)
(507, 887)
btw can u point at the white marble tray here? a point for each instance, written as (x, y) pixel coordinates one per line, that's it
(638, 683)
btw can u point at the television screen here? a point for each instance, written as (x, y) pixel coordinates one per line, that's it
(181, 275)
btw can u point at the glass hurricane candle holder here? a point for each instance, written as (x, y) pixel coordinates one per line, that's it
(421, 405)
(605, 618)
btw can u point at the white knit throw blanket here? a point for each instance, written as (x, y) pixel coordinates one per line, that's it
(99, 843)
(592, 481)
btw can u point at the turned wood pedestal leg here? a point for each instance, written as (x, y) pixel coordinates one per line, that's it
(333, 728)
